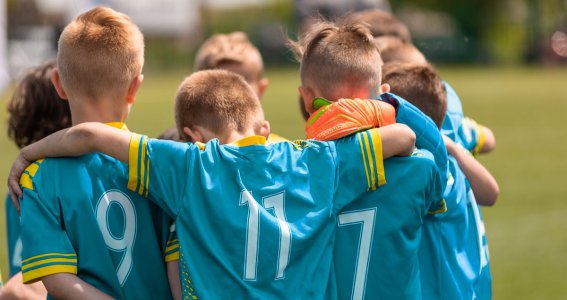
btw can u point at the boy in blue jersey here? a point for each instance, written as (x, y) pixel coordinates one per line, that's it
(254, 220)
(84, 234)
(236, 53)
(35, 111)
(376, 249)
(448, 267)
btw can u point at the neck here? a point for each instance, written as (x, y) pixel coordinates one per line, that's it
(98, 110)
(233, 136)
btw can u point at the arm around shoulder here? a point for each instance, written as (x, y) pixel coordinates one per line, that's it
(397, 139)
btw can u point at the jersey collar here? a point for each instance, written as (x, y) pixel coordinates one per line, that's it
(118, 125)
(250, 141)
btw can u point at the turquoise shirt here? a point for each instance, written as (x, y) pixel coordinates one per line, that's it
(78, 217)
(256, 221)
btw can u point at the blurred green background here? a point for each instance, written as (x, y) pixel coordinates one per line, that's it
(497, 54)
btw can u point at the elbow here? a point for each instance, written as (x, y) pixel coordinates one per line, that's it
(409, 140)
(489, 141)
(489, 196)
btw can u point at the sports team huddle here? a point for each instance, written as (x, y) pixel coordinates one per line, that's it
(380, 201)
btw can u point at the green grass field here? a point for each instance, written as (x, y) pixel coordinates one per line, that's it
(525, 107)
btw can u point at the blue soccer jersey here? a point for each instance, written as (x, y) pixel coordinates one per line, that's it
(13, 237)
(471, 136)
(378, 236)
(79, 218)
(454, 115)
(256, 221)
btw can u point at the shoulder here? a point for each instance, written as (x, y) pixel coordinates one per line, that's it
(27, 178)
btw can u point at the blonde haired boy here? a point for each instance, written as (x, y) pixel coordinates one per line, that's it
(376, 248)
(253, 220)
(83, 232)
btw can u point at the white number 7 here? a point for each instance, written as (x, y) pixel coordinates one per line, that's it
(275, 202)
(366, 219)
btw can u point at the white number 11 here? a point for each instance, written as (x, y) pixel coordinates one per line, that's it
(276, 203)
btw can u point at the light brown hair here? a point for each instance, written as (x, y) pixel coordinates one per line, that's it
(100, 53)
(420, 85)
(393, 49)
(232, 51)
(217, 100)
(333, 56)
(381, 23)
(35, 108)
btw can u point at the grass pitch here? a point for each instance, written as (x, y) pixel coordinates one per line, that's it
(525, 107)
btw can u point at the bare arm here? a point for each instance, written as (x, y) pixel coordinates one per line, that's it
(75, 141)
(397, 139)
(174, 279)
(484, 186)
(69, 286)
(16, 289)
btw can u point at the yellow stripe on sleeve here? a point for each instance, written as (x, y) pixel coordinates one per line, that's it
(26, 181)
(35, 275)
(359, 136)
(172, 257)
(370, 161)
(133, 162)
(378, 156)
(47, 261)
(442, 208)
(70, 255)
(144, 175)
(481, 139)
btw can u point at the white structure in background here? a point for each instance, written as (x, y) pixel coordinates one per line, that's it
(4, 77)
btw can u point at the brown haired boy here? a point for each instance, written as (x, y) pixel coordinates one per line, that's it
(448, 261)
(342, 61)
(36, 110)
(83, 232)
(381, 23)
(239, 205)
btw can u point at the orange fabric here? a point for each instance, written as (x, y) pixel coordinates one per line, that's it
(348, 116)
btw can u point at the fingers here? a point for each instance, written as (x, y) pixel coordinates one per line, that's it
(15, 193)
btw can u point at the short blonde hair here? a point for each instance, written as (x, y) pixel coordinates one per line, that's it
(218, 100)
(395, 50)
(332, 55)
(100, 53)
(232, 51)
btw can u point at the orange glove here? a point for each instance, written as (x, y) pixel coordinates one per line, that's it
(347, 116)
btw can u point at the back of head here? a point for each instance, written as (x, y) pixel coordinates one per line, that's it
(338, 57)
(382, 23)
(35, 109)
(233, 52)
(420, 85)
(217, 100)
(100, 53)
(395, 50)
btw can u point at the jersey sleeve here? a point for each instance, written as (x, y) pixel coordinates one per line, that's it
(472, 135)
(360, 166)
(172, 248)
(158, 170)
(436, 202)
(47, 249)
(13, 237)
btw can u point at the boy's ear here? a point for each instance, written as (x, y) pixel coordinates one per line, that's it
(262, 86)
(385, 88)
(56, 80)
(265, 129)
(307, 95)
(133, 88)
(194, 134)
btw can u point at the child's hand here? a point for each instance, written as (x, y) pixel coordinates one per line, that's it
(16, 171)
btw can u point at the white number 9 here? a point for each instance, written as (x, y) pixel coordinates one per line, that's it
(114, 243)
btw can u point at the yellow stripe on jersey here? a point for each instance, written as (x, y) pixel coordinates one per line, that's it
(172, 257)
(48, 261)
(26, 180)
(37, 274)
(442, 208)
(371, 159)
(66, 255)
(360, 142)
(172, 247)
(481, 139)
(145, 178)
(378, 156)
(133, 162)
